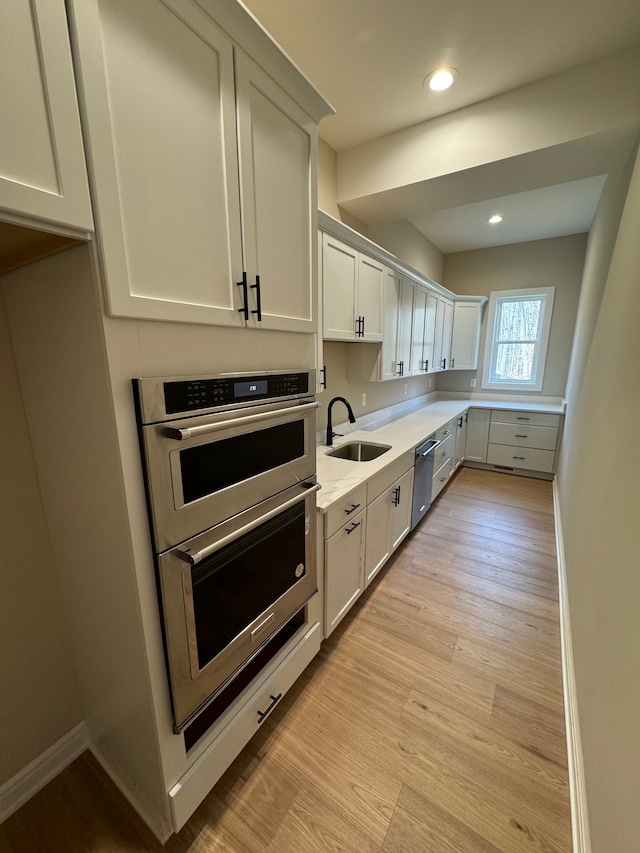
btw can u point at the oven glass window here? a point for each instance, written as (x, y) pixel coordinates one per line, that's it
(239, 582)
(216, 465)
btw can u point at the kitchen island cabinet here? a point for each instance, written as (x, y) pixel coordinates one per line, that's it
(43, 178)
(203, 163)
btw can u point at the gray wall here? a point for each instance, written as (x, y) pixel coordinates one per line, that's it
(539, 263)
(37, 679)
(599, 509)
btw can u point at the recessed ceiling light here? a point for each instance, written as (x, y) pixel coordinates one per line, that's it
(495, 219)
(441, 79)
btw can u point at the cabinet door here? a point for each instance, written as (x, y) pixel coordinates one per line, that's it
(159, 100)
(405, 327)
(378, 542)
(392, 299)
(370, 298)
(344, 570)
(460, 439)
(401, 499)
(447, 329)
(477, 435)
(466, 336)
(42, 164)
(339, 274)
(418, 334)
(277, 154)
(429, 349)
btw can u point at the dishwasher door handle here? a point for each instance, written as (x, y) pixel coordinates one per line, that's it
(429, 450)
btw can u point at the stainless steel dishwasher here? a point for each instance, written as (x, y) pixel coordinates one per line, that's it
(422, 479)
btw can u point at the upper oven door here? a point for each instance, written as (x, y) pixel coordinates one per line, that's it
(202, 470)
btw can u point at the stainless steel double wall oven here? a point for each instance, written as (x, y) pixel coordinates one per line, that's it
(230, 474)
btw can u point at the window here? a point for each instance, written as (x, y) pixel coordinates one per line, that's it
(517, 338)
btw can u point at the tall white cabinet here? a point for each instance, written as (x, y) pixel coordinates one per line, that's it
(203, 168)
(42, 164)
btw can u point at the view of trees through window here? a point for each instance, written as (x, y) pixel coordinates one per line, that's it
(518, 324)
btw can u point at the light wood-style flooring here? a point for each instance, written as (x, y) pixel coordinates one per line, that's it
(430, 722)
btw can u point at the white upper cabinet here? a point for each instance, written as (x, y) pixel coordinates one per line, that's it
(353, 292)
(424, 331)
(465, 341)
(42, 165)
(444, 328)
(387, 363)
(405, 327)
(203, 169)
(278, 194)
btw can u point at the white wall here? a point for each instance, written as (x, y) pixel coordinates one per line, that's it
(539, 263)
(403, 239)
(600, 508)
(37, 679)
(564, 107)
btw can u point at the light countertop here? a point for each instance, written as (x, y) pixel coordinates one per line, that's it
(338, 477)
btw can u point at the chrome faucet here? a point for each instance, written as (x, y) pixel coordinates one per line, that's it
(352, 419)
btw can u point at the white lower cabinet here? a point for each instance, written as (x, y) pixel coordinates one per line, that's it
(388, 522)
(513, 439)
(477, 435)
(344, 569)
(361, 531)
(460, 431)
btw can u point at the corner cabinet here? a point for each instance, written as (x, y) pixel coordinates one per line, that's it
(204, 169)
(42, 165)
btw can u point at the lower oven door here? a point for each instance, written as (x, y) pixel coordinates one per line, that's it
(226, 592)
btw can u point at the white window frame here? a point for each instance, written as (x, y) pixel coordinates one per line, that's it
(496, 298)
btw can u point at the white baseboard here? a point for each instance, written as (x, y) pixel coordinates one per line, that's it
(577, 787)
(149, 815)
(42, 770)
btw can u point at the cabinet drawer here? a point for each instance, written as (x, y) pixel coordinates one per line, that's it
(524, 435)
(443, 453)
(345, 509)
(533, 418)
(440, 478)
(187, 794)
(445, 431)
(521, 457)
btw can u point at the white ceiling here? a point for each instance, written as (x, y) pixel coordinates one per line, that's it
(369, 59)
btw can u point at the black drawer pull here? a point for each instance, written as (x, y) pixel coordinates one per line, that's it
(353, 527)
(520, 436)
(354, 507)
(519, 418)
(272, 704)
(245, 298)
(518, 457)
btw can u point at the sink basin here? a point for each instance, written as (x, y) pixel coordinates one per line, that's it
(359, 451)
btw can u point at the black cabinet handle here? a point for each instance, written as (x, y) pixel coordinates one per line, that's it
(426, 365)
(444, 363)
(258, 309)
(520, 418)
(354, 507)
(453, 363)
(516, 435)
(401, 368)
(353, 527)
(272, 704)
(396, 496)
(245, 296)
(518, 457)
(323, 375)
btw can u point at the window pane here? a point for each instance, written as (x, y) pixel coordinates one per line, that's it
(514, 363)
(519, 320)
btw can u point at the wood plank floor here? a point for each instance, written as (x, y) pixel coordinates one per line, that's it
(430, 722)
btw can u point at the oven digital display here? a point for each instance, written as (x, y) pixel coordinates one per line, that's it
(249, 389)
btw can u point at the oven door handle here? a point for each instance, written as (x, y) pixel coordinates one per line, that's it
(205, 429)
(195, 557)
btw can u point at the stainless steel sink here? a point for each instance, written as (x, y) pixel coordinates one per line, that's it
(359, 451)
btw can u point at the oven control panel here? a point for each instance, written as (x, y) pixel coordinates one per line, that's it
(193, 395)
